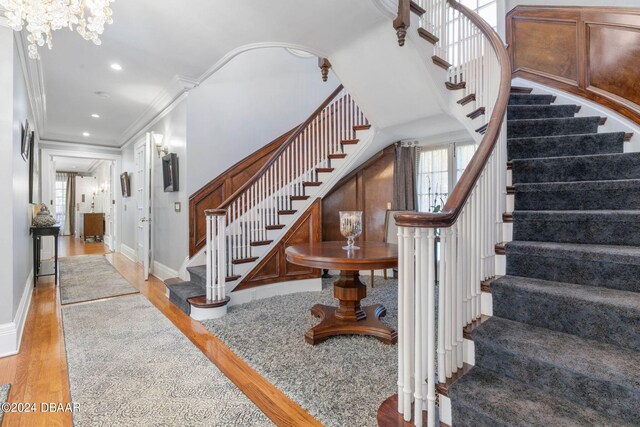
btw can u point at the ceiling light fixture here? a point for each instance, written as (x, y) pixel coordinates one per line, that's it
(95, 116)
(86, 134)
(41, 18)
(116, 67)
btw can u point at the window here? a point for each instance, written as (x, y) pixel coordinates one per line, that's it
(438, 170)
(433, 179)
(487, 9)
(61, 198)
(463, 155)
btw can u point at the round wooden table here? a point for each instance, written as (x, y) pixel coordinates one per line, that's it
(349, 317)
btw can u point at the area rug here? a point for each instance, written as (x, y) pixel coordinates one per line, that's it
(90, 277)
(341, 381)
(130, 366)
(4, 396)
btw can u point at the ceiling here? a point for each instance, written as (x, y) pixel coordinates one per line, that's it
(165, 48)
(76, 164)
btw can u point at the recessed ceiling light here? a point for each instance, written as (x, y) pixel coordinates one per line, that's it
(95, 116)
(86, 134)
(116, 67)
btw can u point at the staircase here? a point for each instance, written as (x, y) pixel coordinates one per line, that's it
(563, 345)
(247, 225)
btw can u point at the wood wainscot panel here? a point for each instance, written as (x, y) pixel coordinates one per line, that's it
(611, 70)
(369, 189)
(547, 46)
(216, 191)
(606, 52)
(274, 267)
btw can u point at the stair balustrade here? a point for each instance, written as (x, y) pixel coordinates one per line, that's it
(470, 223)
(253, 215)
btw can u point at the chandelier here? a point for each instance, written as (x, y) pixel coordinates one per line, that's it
(42, 17)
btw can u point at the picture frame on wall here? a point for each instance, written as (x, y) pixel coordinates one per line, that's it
(34, 169)
(125, 184)
(170, 173)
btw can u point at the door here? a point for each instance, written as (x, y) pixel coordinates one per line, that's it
(110, 208)
(143, 203)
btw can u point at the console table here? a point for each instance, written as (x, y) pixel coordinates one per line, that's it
(38, 233)
(349, 317)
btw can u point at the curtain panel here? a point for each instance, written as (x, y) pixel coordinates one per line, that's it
(404, 178)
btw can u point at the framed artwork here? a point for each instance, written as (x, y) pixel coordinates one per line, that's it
(125, 184)
(170, 172)
(34, 168)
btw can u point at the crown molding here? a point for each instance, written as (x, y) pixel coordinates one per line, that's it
(176, 89)
(34, 78)
(65, 145)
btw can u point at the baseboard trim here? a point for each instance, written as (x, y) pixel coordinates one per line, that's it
(275, 289)
(128, 252)
(163, 272)
(11, 333)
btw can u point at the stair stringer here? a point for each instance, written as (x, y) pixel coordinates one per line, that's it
(341, 168)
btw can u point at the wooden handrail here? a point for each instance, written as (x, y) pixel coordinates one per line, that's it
(280, 150)
(461, 192)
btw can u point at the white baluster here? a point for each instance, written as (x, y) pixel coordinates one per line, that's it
(418, 327)
(442, 376)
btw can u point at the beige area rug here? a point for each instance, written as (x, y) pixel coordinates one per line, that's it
(90, 277)
(130, 366)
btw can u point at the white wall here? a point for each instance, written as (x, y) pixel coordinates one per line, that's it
(128, 204)
(16, 264)
(256, 97)
(171, 228)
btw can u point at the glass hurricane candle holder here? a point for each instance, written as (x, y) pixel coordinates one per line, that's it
(350, 227)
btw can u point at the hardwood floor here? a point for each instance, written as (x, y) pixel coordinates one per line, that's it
(39, 372)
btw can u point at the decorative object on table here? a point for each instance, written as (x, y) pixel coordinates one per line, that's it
(125, 184)
(170, 172)
(40, 19)
(43, 217)
(350, 227)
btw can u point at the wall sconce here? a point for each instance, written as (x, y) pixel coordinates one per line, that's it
(157, 139)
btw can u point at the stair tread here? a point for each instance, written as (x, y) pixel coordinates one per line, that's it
(619, 254)
(514, 112)
(604, 362)
(528, 99)
(565, 145)
(606, 184)
(510, 402)
(535, 139)
(622, 300)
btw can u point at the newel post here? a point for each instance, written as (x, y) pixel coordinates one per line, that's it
(215, 255)
(402, 21)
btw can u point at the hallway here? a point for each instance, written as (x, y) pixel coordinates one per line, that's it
(39, 372)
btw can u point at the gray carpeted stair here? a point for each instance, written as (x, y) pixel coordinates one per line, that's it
(605, 378)
(581, 195)
(615, 267)
(592, 312)
(621, 227)
(179, 293)
(563, 346)
(527, 128)
(565, 145)
(515, 112)
(523, 99)
(482, 398)
(578, 168)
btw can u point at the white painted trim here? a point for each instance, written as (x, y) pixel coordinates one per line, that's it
(267, 291)
(208, 313)
(128, 252)
(11, 333)
(168, 98)
(183, 273)
(74, 146)
(34, 78)
(162, 272)
(445, 409)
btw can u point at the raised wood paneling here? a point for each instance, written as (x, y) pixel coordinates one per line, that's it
(274, 267)
(593, 52)
(612, 70)
(215, 192)
(559, 56)
(369, 189)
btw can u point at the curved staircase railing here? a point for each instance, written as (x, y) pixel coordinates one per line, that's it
(252, 217)
(479, 77)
